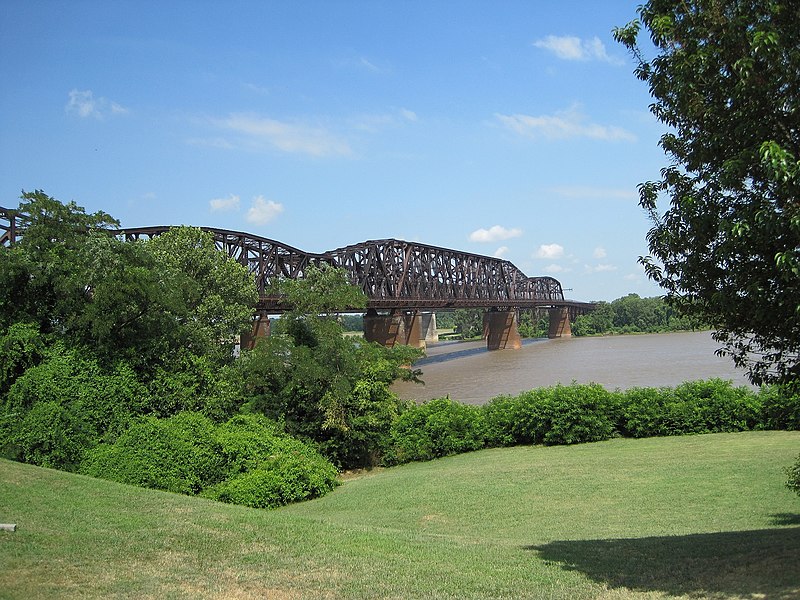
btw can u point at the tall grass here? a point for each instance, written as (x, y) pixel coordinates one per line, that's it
(703, 516)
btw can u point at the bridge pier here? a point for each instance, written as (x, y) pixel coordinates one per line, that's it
(427, 326)
(559, 323)
(398, 327)
(501, 330)
(260, 329)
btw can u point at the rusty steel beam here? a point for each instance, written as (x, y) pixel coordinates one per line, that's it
(392, 273)
(11, 224)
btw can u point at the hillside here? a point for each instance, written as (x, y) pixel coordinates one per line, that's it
(699, 516)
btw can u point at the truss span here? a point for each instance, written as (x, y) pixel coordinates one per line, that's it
(394, 274)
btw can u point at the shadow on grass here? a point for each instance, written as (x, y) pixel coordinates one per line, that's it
(744, 564)
(784, 519)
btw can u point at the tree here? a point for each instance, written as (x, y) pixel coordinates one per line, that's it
(42, 277)
(325, 387)
(726, 82)
(468, 322)
(211, 296)
(71, 278)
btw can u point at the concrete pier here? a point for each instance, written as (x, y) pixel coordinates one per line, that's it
(501, 330)
(559, 323)
(427, 327)
(260, 329)
(398, 327)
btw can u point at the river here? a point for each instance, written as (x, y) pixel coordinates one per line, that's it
(467, 372)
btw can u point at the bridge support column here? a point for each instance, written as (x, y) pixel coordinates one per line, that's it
(398, 327)
(427, 326)
(559, 323)
(501, 330)
(260, 329)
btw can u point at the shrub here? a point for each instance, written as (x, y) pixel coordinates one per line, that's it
(720, 406)
(50, 435)
(780, 406)
(557, 415)
(283, 479)
(86, 403)
(179, 454)
(248, 460)
(711, 406)
(21, 347)
(500, 416)
(194, 383)
(521, 419)
(793, 483)
(642, 411)
(579, 413)
(434, 429)
(266, 467)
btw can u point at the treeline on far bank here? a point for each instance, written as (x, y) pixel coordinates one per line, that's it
(633, 314)
(629, 314)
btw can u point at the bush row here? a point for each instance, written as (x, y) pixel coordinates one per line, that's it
(571, 414)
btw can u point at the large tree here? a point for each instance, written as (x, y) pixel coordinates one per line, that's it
(725, 241)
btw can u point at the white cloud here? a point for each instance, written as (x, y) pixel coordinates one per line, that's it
(263, 211)
(550, 251)
(501, 252)
(292, 137)
(224, 204)
(599, 252)
(359, 63)
(554, 268)
(408, 115)
(495, 233)
(564, 124)
(368, 65)
(83, 104)
(602, 268)
(568, 47)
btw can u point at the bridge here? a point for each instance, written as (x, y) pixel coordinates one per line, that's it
(401, 280)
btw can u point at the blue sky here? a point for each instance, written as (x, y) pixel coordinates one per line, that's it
(504, 128)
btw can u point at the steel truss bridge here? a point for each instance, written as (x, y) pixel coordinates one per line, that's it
(394, 274)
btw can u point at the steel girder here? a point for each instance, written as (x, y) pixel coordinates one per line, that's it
(11, 223)
(392, 273)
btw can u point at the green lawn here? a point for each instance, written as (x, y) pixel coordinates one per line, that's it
(695, 517)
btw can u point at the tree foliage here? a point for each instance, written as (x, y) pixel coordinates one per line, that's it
(726, 83)
(325, 387)
(633, 314)
(73, 280)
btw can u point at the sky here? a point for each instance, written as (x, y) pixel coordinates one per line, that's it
(505, 128)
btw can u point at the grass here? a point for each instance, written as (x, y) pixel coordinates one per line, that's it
(694, 517)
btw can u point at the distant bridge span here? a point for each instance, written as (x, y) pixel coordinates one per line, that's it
(395, 275)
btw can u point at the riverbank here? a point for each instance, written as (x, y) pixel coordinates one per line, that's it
(467, 372)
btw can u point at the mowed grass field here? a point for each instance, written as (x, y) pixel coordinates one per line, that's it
(695, 517)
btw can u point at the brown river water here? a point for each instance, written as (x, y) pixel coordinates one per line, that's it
(467, 372)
